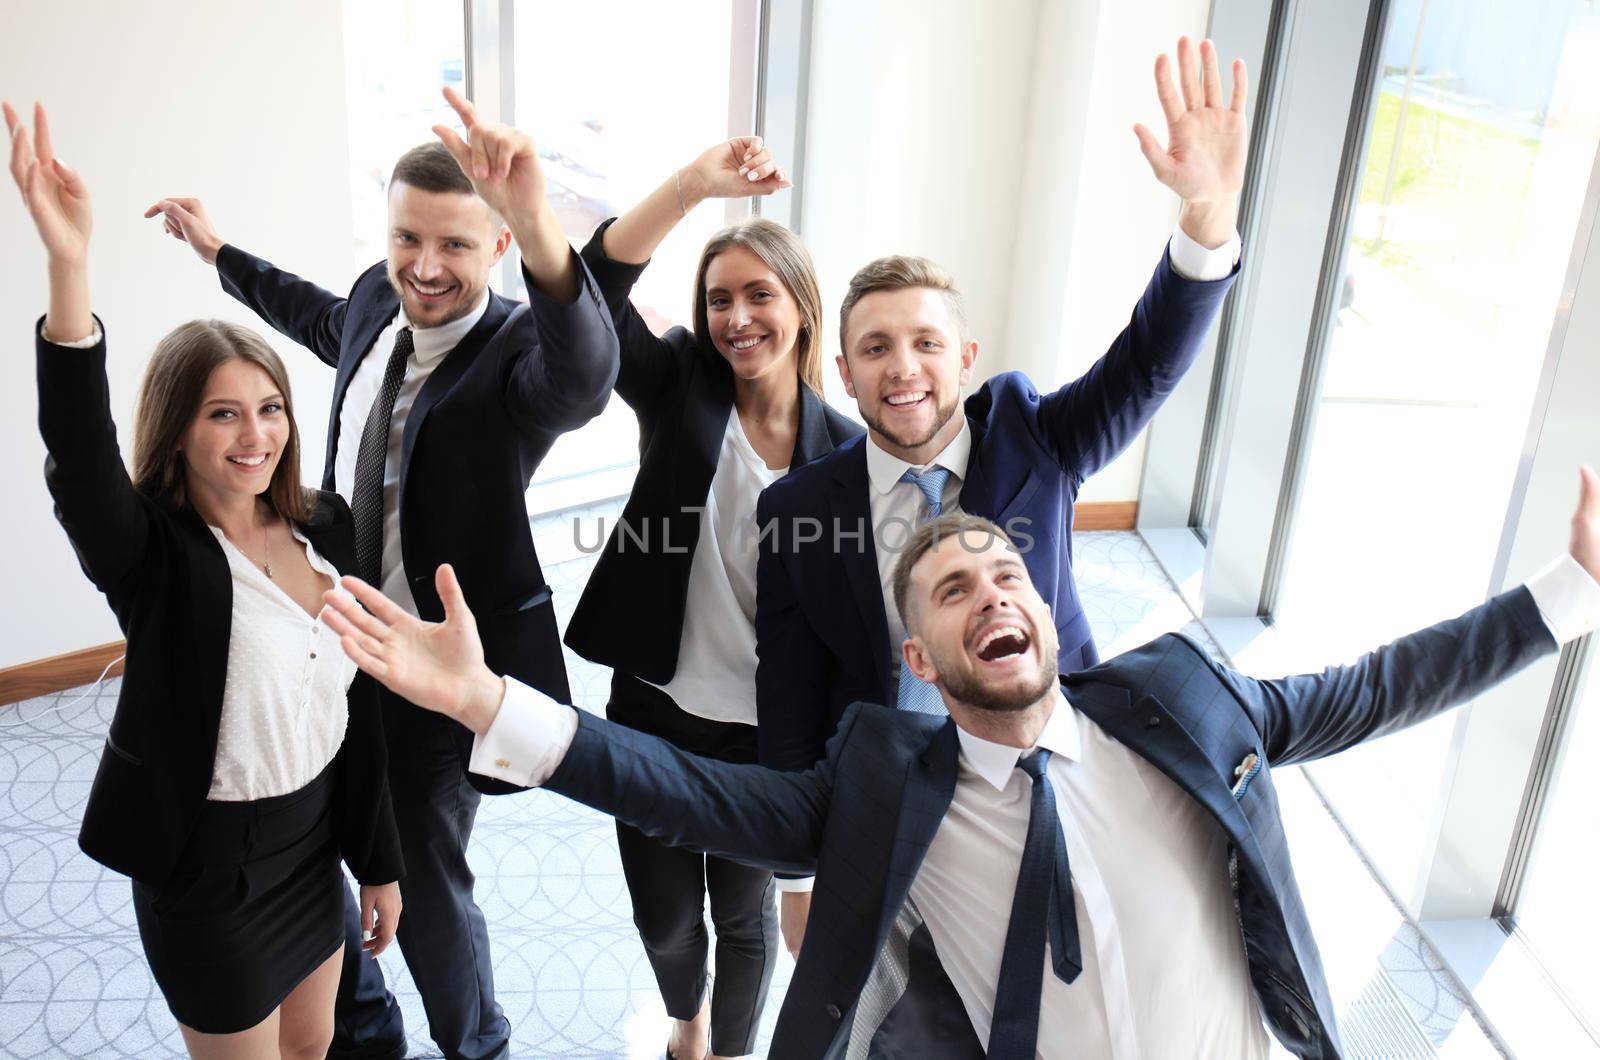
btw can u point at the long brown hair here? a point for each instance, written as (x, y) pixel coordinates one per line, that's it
(169, 398)
(782, 252)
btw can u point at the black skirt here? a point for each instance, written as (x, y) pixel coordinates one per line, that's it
(254, 906)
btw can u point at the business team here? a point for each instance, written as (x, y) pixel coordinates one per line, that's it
(866, 637)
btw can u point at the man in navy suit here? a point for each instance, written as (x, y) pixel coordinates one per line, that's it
(827, 630)
(447, 397)
(1098, 857)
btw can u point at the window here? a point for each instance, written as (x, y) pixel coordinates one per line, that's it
(397, 58)
(614, 114)
(1556, 911)
(1480, 150)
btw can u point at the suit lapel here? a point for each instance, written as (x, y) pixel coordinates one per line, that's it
(445, 375)
(976, 485)
(705, 421)
(211, 598)
(850, 507)
(1151, 731)
(929, 786)
(811, 438)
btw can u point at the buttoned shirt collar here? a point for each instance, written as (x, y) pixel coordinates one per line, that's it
(885, 469)
(995, 762)
(430, 344)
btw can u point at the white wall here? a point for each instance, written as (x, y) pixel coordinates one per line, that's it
(996, 139)
(913, 146)
(241, 104)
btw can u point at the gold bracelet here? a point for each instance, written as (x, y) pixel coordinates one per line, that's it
(677, 181)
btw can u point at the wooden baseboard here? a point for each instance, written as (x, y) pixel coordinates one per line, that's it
(26, 680)
(1106, 515)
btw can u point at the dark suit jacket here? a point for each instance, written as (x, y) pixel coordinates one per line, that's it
(487, 415)
(682, 392)
(863, 818)
(822, 635)
(167, 579)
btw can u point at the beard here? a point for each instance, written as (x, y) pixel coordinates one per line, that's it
(419, 314)
(941, 416)
(966, 685)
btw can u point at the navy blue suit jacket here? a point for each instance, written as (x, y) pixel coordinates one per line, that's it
(863, 818)
(822, 636)
(480, 425)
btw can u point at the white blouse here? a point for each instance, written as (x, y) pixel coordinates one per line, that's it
(283, 705)
(716, 674)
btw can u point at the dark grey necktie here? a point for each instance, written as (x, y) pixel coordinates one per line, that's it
(366, 496)
(1042, 904)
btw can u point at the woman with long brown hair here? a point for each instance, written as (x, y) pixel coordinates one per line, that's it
(724, 410)
(245, 757)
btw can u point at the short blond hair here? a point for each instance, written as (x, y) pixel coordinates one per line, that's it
(896, 273)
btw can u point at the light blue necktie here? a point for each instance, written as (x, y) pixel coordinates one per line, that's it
(914, 693)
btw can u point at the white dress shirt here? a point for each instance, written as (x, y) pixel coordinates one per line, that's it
(716, 674)
(897, 507)
(283, 703)
(1164, 972)
(429, 346)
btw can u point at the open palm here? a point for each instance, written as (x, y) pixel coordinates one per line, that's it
(419, 661)
(1207, 140)
(55, 195)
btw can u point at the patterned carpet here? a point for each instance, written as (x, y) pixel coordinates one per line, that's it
(569, 968)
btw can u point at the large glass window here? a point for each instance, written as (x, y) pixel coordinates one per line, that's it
(614, 114)
(1556, 912)
(1480, 150)
(397, 58)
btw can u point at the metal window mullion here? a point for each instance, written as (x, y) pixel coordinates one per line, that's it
(1268, 82)
(1330, 281)
(1542, 776)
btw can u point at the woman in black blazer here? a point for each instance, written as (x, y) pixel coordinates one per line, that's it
(229, 803)
(722, 411)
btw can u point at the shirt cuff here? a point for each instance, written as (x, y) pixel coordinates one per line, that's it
(1195, 262)
(1568, 599)
(800, 886)
(80, 344)
(527, 740)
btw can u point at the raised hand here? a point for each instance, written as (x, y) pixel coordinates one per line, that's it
(55, 195)
(501, 162)
(733, 169)
(436, 665)
(1207, 141)
(1585, 543)
(186, 220)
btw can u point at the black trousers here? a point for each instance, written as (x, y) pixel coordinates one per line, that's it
(442, 935)
(669, 887)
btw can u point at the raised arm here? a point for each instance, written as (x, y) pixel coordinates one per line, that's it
(296, 308)
(621, 248)
(106, 518)
(1094, 418)
(1310, 716)
(733, 169)
(563, 377)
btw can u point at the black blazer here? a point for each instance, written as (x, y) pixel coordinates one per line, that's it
(167, 579)
(682, 392)
(865, 816)
(483, 421)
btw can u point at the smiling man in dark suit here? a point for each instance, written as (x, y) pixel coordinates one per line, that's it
(447, 398)
(1098, 857)
(828, 633)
